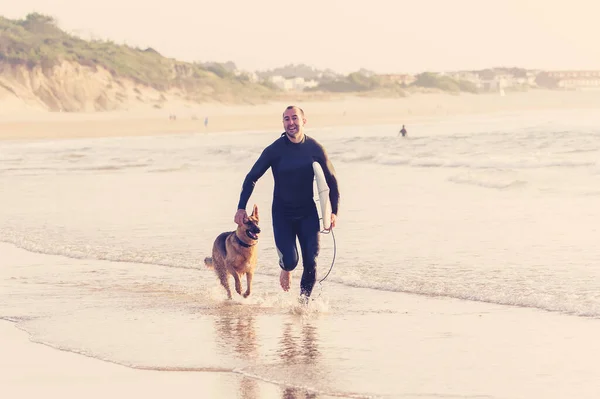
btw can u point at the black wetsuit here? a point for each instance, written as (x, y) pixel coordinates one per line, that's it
(294, 210)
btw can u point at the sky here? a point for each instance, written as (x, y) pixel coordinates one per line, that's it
(385, 36)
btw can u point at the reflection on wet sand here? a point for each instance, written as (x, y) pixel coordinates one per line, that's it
(303, 349)
(236, 334)
(249, 388)
(299, 352)
(293, 393)
(297, 348)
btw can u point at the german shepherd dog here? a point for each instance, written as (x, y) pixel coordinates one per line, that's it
(235, 253)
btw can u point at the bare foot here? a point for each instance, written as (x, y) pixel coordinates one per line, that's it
(284, 280)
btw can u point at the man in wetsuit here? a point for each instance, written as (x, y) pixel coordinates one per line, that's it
(294, 211)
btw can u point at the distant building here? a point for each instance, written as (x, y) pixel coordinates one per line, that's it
(495, 79)
(531, 78)
(281, 82)
(570, 80)
(498, 82)
(292, 84)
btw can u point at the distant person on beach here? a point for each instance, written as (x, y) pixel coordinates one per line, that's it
(294, 211)
(402, 131)
(206, 121)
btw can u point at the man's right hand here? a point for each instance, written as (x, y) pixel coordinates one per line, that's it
(240, 217)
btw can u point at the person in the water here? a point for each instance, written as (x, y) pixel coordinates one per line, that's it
(402, 131)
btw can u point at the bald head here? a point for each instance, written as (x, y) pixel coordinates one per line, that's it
(293, 123)
(298, 110)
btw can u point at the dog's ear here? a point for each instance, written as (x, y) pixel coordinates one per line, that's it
(255, 212)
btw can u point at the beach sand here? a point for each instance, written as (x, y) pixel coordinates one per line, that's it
(351, 111)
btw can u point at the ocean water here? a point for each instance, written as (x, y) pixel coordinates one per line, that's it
(469, 213)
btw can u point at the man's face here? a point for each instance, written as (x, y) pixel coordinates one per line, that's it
(293, 122)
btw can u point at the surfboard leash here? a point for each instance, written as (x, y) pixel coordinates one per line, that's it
(334, 252)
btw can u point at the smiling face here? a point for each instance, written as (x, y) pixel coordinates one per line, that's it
(250, 226)
(293, 123)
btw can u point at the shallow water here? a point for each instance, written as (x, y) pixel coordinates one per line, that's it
(496, 209)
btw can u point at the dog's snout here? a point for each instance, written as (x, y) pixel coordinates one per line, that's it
(256, 230)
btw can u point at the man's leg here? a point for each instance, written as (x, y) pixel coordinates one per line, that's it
(285, 242)
(308, 236)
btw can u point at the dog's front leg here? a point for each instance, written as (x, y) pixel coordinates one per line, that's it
(238, 283)
(249, 284)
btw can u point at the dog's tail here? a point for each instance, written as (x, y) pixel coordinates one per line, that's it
(208, 262)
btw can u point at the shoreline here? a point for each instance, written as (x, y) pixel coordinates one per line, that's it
(349, 111)
(32, 370)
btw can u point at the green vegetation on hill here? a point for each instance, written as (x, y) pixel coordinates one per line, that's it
(38, 41)
(445, 83)
(360, 83)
